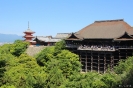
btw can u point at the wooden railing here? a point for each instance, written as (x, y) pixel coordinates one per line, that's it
(98, 47)
(124, 47)
(104, 48)
(72, 46)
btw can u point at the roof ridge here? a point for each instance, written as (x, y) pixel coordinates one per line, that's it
(109, 20)
(63, 33)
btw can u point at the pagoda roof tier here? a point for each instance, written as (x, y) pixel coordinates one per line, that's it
(106, 29)
(29, 31)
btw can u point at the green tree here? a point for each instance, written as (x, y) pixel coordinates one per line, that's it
(45, 56)
(18, 47)
(5, 49)
(54, 78)
(59, 46)
(111, 80)
(5, 59)
(24, 73)
(5, 86)
(85, 80)
(68, 62)
(124, 70)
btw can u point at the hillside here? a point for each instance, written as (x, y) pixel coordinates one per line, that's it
(31, 51)
(9, 37)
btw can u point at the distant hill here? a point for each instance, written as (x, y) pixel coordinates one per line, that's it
(9, 37)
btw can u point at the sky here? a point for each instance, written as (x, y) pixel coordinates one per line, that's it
(49, 17)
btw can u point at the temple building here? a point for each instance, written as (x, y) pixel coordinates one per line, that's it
(102, 44)
(49, 40)
(45, 40)
(28, 36)
(62, 35)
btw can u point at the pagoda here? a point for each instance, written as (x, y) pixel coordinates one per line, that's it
(28, 35)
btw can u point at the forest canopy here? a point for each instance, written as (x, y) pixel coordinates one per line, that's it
(56, 67)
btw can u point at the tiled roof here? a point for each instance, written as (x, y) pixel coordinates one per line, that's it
(62, 35)
(47, 39)
(72, 35)
(28, 30)
(107, 29)
(29, 36)
(130, 32)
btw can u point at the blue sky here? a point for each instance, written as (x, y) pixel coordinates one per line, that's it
(49, 17)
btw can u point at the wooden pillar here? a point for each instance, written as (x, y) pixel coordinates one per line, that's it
(112, 62)
(86, 62)
(119, 56)
(126, 54)
(80, 60)
(132, 52)
(91, 62)
(98, 62)
(104, 62)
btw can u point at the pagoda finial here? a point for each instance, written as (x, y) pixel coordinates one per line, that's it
(28, 24)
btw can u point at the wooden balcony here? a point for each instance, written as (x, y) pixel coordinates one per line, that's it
(72, 46)
(95, 48)
(114, 48)
(124, 47)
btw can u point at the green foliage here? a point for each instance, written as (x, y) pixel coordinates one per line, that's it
(124, 66)
(5, 59)
(125, 70)
(111, 80)
(68, 62)
(44, 56)
(55, 78)
(60, 64)
(5, 49)
(86, 80)
(5, 86)
(18, 47)
(55, 67)
(25, 73)
(59, 46)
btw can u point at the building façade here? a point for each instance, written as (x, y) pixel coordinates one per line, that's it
(102, 44)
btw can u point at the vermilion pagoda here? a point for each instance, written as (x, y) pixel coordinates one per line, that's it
(28, 35)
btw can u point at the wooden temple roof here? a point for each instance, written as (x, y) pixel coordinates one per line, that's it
(46, 39)
(107, 29)
(74, 36)
(29, 31)
(62, 35)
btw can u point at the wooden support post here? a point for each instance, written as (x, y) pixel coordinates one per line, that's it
(91, 62)
(86, 63)
(112, 62)
(126, 54)
(80, 60)
(104, 62)
(119, 56)
(132, 52)
(98, 62)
